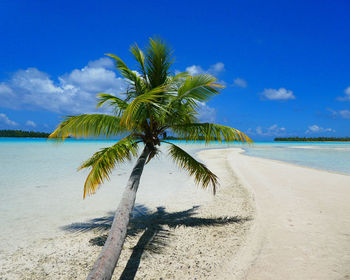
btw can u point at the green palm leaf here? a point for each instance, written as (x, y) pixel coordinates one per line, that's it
(88, 125)
(158, 62)
(139, 109)
(191, 91)
(103, 162)
(116, 103)
(210, 132)
(131, 76)
(118, 62)
(140, 58)
(201, 173)
(200, 88)
(179, 112)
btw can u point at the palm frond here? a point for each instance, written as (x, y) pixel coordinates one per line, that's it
(103, 162)
(199, 87)
(179, 112)
(201, 173)
(158, 62)
(191, 91)
(138, 109)
(116, 103)
(131, 76)
(176, 80)
(118, 62)
(210, 132)
(88, 125)
(140, 58)
(180, 76)
(134, 80)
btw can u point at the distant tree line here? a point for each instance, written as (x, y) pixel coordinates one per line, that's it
(304, 139)
(21, 133)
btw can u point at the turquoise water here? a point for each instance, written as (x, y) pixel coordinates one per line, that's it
(330, 156)
(41, 190)
(334, 157)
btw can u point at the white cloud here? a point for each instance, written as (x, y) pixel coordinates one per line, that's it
(342, 113)
(194, 70)
(332, 112)
(277, 94)
(30, 123)
(103, 62)
(347, 95)
(92, 80)
(5, 120)
(240, 82)
(214, 69)
(273, 130)
(345, 114)
(6, 94)
(317, 129)
(75, 92)
(5, 90)
(206, 113)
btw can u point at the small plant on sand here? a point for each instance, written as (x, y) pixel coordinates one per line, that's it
(154, 103)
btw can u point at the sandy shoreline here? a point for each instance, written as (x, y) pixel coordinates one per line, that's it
(188, 243)
(269, 220)
(302, 223)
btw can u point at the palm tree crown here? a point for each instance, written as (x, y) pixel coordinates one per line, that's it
(154, 102)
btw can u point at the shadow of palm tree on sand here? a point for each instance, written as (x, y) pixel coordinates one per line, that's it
(154, 226)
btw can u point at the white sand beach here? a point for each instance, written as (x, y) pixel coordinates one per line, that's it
(280, 221)
(191, 242)
(302, 227)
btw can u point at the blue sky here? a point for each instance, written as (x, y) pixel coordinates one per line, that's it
(285, 64)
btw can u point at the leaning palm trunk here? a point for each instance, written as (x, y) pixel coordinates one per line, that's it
(107, 260)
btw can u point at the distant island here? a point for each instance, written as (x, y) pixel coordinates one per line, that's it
(21, 133)
(313, 139)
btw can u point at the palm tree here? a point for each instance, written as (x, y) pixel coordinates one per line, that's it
(154, 103)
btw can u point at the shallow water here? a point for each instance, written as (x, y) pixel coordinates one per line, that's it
(41, 190)
(334, 157)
